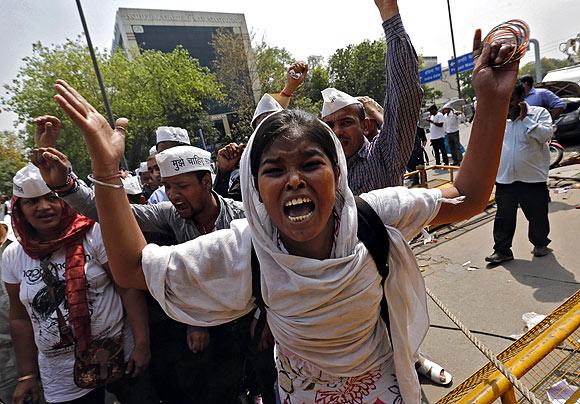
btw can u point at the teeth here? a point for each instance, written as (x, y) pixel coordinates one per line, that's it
(299, 218)
(298, 201)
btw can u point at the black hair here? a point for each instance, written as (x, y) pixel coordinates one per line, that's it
(361, 112)
(291, 124)
(519, 90)
(201, 174)
(528, 79)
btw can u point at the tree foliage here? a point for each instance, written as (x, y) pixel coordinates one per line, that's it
(12, 159)
(231, 68)
(360, 69)
(548, 64)
(152, 89)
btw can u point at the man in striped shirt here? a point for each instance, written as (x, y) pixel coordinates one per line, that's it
(381, 162)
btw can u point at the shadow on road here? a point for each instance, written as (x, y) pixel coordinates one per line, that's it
(551, 281)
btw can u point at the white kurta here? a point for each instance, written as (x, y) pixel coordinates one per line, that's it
(327, 311)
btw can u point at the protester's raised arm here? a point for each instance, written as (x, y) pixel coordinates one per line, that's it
(121, 234)
(403, 94)
(493, 87)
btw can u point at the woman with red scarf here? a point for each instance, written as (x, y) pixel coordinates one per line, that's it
(66, 315)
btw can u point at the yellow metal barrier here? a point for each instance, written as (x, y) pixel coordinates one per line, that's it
(544, 356)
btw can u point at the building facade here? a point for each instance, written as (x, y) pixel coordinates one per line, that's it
(164, 30)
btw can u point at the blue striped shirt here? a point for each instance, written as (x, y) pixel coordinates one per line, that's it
(381, 163)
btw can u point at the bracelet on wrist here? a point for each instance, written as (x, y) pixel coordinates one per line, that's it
(118, 174)
(70, 190)
(64, 186)
(24, 378)
(104, 184)
(285, 94)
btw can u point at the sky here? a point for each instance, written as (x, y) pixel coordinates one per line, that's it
(314, 28)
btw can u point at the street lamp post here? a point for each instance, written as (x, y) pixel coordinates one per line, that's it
(454, 53)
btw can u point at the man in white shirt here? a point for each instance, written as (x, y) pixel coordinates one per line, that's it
(451, 122)
(437, 133)
(522, 178)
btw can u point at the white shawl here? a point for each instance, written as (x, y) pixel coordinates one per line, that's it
(326, 311)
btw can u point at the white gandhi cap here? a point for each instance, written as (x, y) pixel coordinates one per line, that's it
(183, 159)
(267, 104)
(335, 100)
(28, 183)
(172, 134)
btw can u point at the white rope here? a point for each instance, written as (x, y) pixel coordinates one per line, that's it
(488, 353)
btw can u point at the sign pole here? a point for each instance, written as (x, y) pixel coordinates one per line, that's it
(454, 53)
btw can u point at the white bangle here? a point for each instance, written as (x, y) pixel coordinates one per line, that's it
(104, 184)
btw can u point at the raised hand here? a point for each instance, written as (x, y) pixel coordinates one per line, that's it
(387, 8)
(228, 157)
(372, 108)
(491, 83)
(46, 130)
(295, 77)
(106, 146)
(52, 164)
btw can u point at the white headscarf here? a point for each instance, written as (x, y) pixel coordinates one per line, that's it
(319, 309)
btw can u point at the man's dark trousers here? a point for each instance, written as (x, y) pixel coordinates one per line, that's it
(439, 149)
(533, 198)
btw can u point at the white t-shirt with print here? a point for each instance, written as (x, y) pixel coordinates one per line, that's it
(436, 131)
(56, 361)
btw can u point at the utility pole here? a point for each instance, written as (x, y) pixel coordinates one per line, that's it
(454, 53)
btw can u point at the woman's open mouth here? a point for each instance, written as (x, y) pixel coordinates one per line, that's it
(299, 209)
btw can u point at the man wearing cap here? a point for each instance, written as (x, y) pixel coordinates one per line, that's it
(194, 209)
(380, 163)
(451, 122)
(167, 137)
(146, 180)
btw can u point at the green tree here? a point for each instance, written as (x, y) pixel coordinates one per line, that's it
(231, 68)
(548, 64)
(467, 90)
(12, 159)
(360, 69)
(271, 64)
(309, 97)
(152, 89)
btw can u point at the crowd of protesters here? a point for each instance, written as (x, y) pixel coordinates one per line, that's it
(243, 278)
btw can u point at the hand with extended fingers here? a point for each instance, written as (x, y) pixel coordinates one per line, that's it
(492, 83)
(106, 145)
(46, 130)
(52, 164)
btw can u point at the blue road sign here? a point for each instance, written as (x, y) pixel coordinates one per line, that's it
(430, 74)
(464, 63)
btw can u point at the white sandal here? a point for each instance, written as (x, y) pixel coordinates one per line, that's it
(433, 371)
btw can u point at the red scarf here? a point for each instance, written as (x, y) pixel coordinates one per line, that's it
(73, 227)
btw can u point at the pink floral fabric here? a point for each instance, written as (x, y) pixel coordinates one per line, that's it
(299, 381)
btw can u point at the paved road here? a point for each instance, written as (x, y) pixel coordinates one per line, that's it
(493, 300)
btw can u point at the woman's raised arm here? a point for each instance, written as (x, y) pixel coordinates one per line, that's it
(121, 234)
(493, 87)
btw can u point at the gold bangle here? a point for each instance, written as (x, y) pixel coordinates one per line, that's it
(24, 378)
